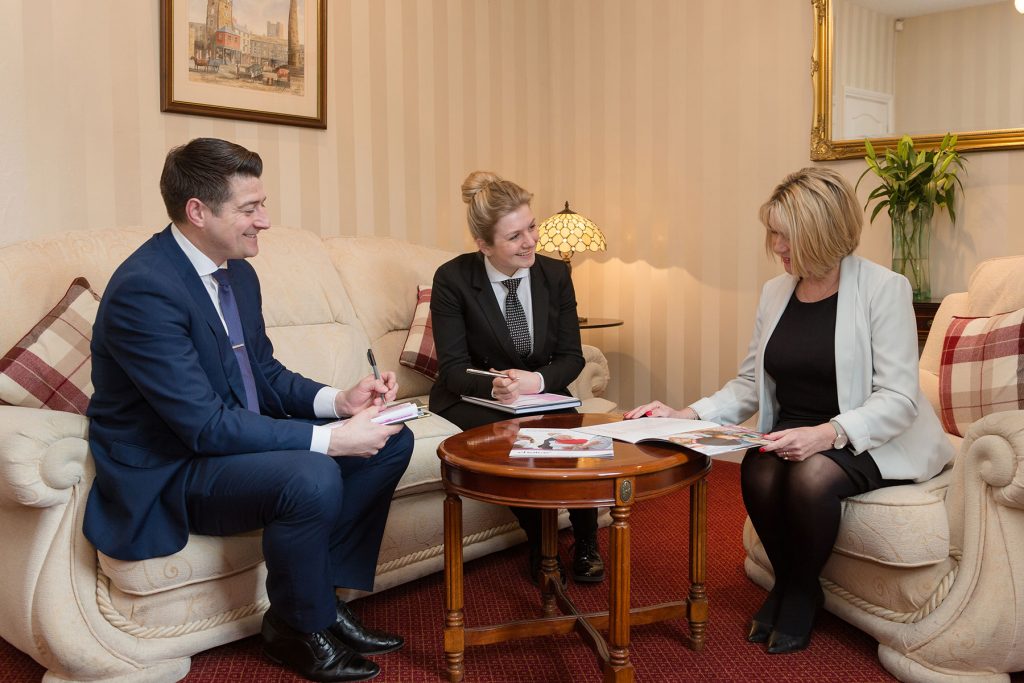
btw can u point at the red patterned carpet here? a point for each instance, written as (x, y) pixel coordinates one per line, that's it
(497, 589)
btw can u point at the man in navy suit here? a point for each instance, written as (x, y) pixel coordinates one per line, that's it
(195, 427)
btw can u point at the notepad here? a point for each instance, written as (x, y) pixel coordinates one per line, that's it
(399, 412)
(532, 403)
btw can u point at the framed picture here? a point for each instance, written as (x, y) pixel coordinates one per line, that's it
(255, 60)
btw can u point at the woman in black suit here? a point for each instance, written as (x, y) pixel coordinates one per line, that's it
(506, 308)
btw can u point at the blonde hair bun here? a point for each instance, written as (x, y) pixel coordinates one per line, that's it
(490, 197)
(476, 181)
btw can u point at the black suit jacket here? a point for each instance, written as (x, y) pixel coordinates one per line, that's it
(470, 330)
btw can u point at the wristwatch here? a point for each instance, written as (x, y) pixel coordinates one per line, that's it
(841, 440)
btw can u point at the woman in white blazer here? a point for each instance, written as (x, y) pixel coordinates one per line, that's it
(832, 371)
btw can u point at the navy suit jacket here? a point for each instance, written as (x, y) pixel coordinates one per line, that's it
(168, 389)
(470, 330)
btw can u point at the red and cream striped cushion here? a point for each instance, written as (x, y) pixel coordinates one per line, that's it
(50, 367)
(981, 370)
(419, 352)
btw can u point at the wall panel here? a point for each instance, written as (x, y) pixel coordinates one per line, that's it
(667, 122)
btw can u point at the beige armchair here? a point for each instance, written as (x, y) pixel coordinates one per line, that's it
(935, 571)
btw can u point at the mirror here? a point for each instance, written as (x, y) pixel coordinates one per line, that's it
(885, 68)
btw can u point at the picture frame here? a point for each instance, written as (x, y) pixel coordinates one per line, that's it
(229, 59)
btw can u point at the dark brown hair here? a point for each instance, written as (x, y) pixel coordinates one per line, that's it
(203, 169)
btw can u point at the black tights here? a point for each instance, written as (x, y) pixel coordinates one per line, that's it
(795, 508)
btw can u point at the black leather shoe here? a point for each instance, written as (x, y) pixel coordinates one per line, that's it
(535, 568)
(783, 643)
(587, 565)
(316, 656)
(759, 632)
(365, 641)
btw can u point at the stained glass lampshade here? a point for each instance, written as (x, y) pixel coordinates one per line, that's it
(568, 232)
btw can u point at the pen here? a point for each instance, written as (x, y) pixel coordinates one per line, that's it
(376, 373)
(486, 373)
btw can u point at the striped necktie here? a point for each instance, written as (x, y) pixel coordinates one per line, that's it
(229, 308)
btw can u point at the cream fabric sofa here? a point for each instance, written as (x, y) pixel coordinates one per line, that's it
(90, 617)
(935, 571)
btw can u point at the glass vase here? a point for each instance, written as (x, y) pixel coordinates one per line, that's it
(911, 232)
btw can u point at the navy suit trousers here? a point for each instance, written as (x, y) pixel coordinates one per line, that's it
(322, 518)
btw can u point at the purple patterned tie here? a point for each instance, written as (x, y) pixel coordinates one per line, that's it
(229, 309)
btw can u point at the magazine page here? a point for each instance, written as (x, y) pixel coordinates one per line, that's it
(702, 436)
(718, 439)
(642, 428)
(560, 443)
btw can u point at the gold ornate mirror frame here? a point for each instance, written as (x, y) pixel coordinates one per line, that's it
(823, 147)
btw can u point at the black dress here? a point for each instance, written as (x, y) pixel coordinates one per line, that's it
(801, 358)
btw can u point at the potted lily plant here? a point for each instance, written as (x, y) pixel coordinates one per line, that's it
(914, 184)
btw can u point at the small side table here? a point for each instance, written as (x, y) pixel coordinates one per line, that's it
(475, 464)
(594, 323)
(924, 314)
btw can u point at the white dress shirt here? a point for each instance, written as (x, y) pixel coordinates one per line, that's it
(323, 402)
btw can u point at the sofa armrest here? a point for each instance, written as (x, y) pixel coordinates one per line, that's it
(994, 449)
(985, 499)
(593, 379)
(42, 455)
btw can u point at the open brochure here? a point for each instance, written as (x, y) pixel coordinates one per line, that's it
(698, 435)
(560, 443)
(531, 403)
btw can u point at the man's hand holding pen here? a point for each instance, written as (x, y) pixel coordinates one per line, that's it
(377, 389)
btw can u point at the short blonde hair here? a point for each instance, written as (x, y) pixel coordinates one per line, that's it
(490, 198)
(816, 209)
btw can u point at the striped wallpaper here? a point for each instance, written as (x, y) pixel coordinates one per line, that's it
(969, 63)
(667, 122)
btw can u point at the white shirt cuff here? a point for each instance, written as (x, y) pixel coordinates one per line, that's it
(321, 440)
(541, 390)
(323, 404)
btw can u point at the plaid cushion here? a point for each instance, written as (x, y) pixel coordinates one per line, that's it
(981, 370)
(419, 352)
(50, 367)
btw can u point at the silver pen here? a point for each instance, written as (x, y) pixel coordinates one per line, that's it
(486, 373)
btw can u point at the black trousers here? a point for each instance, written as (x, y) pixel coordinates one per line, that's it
(322, 518)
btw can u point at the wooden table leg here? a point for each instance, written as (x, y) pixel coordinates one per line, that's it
(697, 602)
(548, 561)
(619, 669)
(454, 622)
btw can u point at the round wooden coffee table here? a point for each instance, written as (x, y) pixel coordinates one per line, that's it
(475, 464)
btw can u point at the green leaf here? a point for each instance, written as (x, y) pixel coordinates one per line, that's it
(878, 207)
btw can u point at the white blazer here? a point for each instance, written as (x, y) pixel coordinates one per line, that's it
(881, 406)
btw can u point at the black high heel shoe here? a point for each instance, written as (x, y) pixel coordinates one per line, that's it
(759, 632)
(782, 643)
